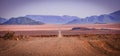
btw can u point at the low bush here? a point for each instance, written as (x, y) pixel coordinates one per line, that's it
(8, 35)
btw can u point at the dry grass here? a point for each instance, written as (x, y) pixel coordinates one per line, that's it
(43, 40)
(79, 45)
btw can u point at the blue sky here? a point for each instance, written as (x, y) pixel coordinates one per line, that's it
(80, 8)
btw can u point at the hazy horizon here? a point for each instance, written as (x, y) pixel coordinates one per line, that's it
(79, 8)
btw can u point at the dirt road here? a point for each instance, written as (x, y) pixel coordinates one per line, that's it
(57, 47)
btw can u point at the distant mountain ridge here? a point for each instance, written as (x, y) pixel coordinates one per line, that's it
(21, 21)
(53, 19)
(102, 19)
(2, 20)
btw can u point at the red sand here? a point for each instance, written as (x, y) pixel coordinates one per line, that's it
(56, 27)
(85, 45)
(81, 46)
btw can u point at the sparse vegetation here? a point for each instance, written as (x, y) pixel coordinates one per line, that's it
(68, 45)
(8, 35)
(81, 42)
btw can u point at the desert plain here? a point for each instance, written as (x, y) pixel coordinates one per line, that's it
(61, 40)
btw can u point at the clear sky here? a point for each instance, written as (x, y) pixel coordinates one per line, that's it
(80, 8)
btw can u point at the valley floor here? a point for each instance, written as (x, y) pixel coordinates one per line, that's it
(85, 45)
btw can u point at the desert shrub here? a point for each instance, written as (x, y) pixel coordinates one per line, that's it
(0, 37)
(8, 35)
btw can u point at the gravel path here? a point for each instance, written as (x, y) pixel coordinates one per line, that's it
(50, 47)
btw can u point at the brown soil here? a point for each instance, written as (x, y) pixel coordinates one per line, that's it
(85, 45)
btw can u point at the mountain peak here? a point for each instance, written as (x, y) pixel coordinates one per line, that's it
(65, 19)
(2, 20)
(22, 21)
(51, 19)
(116, 13)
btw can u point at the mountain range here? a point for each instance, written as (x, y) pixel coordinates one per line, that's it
(102, 19)
(2, 20)
(22, 21)
(53, 19)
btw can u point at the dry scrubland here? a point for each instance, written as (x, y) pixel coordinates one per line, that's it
(55, 27)
(83, 45)
(40, 42)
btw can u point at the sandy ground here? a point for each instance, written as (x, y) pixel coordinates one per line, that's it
(56, 27)
(61, 46)
(85, 45)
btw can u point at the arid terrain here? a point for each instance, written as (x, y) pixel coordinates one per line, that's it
(56, 27)
(44, 40)
(85, 45)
